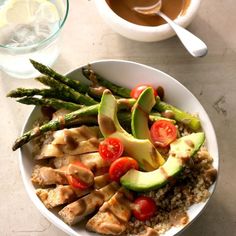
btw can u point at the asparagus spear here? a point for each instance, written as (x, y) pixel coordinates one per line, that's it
(191, 121)
(52, 102)
(95, 78)
(84, 120)
(64, 121)
(47, 93)
(75, 84)
(153, 116)
(69, 92)
(52, 125)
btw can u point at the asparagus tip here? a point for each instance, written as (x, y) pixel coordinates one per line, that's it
(32, 61)
(18, 143)
(10, 94)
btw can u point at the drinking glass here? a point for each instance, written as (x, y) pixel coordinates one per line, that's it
(30, 29)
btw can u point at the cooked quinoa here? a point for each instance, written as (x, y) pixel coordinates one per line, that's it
(174, 199)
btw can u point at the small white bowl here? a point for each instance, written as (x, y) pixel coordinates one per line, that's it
(144, 33)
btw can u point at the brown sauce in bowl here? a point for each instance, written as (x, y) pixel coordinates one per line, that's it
(124, 9)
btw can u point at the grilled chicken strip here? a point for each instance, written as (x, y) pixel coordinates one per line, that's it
(56, 150)
(72, 141)
(47, 176)
(92, 160)
(113, 216)
(62, 194)
(101, 180)
(44, 176)
(76, 211)
(49, 151)
(75, 135)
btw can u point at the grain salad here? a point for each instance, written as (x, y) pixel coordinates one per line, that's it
(125, 161)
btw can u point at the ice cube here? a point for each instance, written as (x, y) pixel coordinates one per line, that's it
(26, 35)
(47, 12)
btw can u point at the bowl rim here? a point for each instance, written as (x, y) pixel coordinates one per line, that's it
(182, 20)
(68, 229)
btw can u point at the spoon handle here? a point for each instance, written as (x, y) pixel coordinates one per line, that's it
(193, 44)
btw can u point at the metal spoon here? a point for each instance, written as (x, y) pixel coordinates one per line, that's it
(193, 44)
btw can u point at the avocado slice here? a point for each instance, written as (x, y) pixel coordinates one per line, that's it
(180, 151)
(140, 149)
(140, 113)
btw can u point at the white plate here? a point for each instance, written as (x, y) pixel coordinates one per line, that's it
(127, 74)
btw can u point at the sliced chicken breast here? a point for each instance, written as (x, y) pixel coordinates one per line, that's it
(76, 211)
(62, 194)
(113, 216)
(45, 176)
(52, 197)
(72, 141)
(92, 160)
(75, 135)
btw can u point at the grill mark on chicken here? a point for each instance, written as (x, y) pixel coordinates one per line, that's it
(77, 210)
(113, 216)
(85, 134)
(82, 173)
(70, 141)
(62, 194)
(92, 160)
(100, 180)
(44, 176)
(94, 142)
(83, 147)
(47, 176)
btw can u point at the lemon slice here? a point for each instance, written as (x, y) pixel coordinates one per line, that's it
(27, 11)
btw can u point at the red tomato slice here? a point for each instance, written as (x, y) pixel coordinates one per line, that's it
(163, 133)
(76, 182)
(120, 166)
(136, 91)
(144, 208)
(110, 149)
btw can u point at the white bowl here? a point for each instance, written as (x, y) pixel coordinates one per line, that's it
(127, 74)
(144, 33)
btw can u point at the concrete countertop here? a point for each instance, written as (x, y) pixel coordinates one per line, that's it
(212, 80)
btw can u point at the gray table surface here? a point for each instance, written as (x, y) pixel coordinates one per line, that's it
(211, 79)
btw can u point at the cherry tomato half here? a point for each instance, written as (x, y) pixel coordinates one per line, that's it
(144, 208)
(163, 133)
(120, 166)
(136, 91)
(76, 182)
(110, 149)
